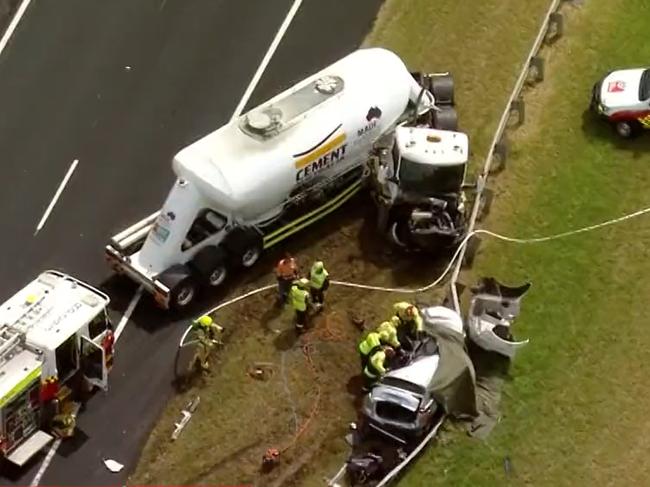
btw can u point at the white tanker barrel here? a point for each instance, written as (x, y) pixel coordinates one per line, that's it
(318, 129)
(322, 126)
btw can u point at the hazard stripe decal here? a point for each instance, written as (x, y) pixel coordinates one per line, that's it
(305, 220)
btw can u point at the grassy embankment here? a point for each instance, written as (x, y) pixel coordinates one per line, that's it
(238, 417)
(575, 412)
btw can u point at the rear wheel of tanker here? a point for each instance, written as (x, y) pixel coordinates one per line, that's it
(184, 293)
(445, 119)
(245, 246)
(210, 265)
(442, 89)
(182, 285)
(251, 256)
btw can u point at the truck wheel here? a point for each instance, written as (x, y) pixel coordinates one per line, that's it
(183, 287)
(251, 255)
(244, 246)
(627, 128)
(445, 119)
(210, 265)
(442, 89)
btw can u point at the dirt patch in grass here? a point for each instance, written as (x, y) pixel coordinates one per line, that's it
(239, 418)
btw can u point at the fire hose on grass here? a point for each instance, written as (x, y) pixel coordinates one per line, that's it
(272, 455)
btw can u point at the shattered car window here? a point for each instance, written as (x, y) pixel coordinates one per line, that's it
(395, 412)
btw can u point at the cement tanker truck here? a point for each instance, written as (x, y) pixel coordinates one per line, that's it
(277, 169)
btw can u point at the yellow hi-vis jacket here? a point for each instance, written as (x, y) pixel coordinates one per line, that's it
(400, 312)
(375, 367)
(298, 298)
(318, 275)
(370, 343)
(388, 330)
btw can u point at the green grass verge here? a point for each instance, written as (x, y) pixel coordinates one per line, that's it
(482, 43)
(575, 412)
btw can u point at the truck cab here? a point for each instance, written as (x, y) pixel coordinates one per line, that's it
(418, 178)
(53, 343)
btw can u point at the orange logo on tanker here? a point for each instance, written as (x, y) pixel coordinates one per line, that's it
(327, 152)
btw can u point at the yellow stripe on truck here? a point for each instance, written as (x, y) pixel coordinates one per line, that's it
(321, 151)
(18, 388)
(305, 220)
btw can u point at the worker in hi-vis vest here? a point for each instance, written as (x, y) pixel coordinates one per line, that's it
(319, 281)
(300, 301)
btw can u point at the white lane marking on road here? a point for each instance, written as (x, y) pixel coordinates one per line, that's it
(258, 74)
(67, 177)
(138, 294)
(14, 23)
(127, 314)
(46, 463)
(267, 58)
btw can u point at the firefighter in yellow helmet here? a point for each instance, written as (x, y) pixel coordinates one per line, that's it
(373, 341)
(63, 425)
(377, 365)
(300, 300)
(319, 282)
(389, 330)
(208, 334)
(407, 320)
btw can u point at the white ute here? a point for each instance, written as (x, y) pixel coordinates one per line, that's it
(266, 175)
(51, 334)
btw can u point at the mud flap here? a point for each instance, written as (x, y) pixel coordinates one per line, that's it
(493, 309)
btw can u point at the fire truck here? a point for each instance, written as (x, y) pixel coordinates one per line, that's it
(55, 344)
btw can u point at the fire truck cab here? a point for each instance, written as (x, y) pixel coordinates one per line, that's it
(55, 343)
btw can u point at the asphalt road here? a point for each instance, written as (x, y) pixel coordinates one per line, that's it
(122, 86)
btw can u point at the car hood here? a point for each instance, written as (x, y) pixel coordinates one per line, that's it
(621, 88)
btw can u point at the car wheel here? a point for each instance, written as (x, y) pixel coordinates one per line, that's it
(626, 129)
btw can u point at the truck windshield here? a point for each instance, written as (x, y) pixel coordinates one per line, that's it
(429, 179)
(644, 86)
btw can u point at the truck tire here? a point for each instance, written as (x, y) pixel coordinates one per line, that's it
(183, 287)
(417, 76)
(244, 246)
(445, 119)
(210, 264)
(442, 89)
